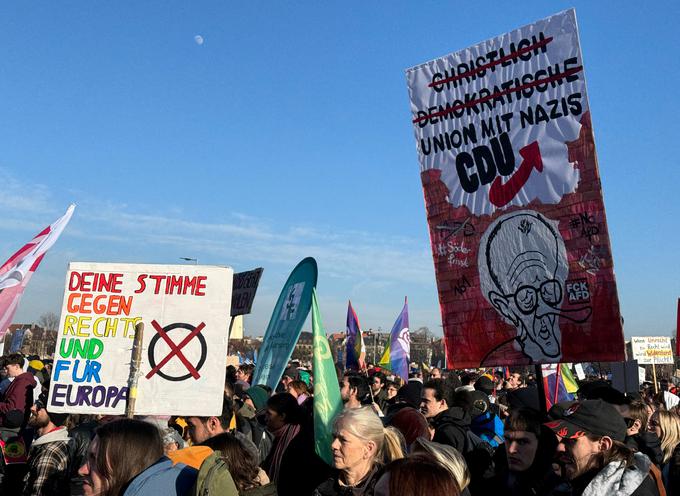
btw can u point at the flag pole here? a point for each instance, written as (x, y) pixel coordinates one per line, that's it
(541, 389)
(134, 370)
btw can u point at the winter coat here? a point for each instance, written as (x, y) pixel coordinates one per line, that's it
(248, 424)
(81, 436)
(671, 473)
(19, 396)
(489, 427)
(647, 443)
(266, 490)
(365, 487)
(163, 478)
(381, 400)
(301, 469)
(48, 463)
(537, 480)
(450, 427)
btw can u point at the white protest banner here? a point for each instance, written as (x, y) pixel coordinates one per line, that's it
(514, 201)
(185, 310)
(648, 350)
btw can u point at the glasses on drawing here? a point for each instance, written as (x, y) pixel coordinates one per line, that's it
(526, 297)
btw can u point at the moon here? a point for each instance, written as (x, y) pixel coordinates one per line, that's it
(199, 39)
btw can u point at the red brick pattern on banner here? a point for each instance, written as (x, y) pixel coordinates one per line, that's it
(476, 335)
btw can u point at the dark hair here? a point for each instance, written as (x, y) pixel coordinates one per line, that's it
(227, 413)
(286, 405)
(240, 462)
(126, 448)
(230, 374)
(418, 476)
(637, 410)
(246, 368)
(360, 383)
(524, 419)
(619, 452)
(299, 386)
(439, 387)
(14, 359)
(380, 376)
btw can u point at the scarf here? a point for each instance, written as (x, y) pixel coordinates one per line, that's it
(283, 436)
(617, 479)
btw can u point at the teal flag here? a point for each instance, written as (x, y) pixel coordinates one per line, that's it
(327, 401)
(284, 327)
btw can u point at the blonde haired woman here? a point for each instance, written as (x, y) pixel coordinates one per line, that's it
(361, 447)
(667, 426)
(446, 456)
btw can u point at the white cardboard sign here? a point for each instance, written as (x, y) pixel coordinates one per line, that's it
(185, 311)
(649, 350)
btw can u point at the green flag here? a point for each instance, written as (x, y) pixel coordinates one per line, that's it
(327, 401)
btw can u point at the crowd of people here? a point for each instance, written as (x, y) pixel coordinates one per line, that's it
(438, 433)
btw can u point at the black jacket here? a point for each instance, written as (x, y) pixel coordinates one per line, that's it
(301, 470)
(647, 443)
(451, 426)
(365, 487)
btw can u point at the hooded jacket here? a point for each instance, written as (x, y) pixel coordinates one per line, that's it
(163, 478)
(19, 396)
(451, 426)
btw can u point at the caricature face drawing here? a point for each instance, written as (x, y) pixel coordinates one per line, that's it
(522, 268)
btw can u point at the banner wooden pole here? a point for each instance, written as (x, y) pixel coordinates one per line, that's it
(134, 370)
(656, 386)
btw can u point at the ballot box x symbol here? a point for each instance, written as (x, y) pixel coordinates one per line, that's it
(176, 350)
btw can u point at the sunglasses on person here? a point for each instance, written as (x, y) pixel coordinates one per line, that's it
(630, 422)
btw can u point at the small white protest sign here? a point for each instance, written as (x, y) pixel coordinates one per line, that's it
(185, 310)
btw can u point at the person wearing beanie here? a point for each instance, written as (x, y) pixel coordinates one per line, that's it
(257, 397)
(251, 422)
(591, 453)
(483, 420)
(411, 423)
(48, 460)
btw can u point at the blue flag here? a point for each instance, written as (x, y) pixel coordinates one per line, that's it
(285, 325)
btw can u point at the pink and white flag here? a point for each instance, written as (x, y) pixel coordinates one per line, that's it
(17, 271)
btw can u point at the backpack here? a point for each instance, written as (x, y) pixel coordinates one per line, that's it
(214, 478)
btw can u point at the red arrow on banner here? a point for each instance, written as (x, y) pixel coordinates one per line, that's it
(501, 194)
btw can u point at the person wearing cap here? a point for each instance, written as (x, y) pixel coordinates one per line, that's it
(591, 453)
(48, 459)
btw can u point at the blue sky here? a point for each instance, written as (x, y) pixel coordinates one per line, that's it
(287, 134)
